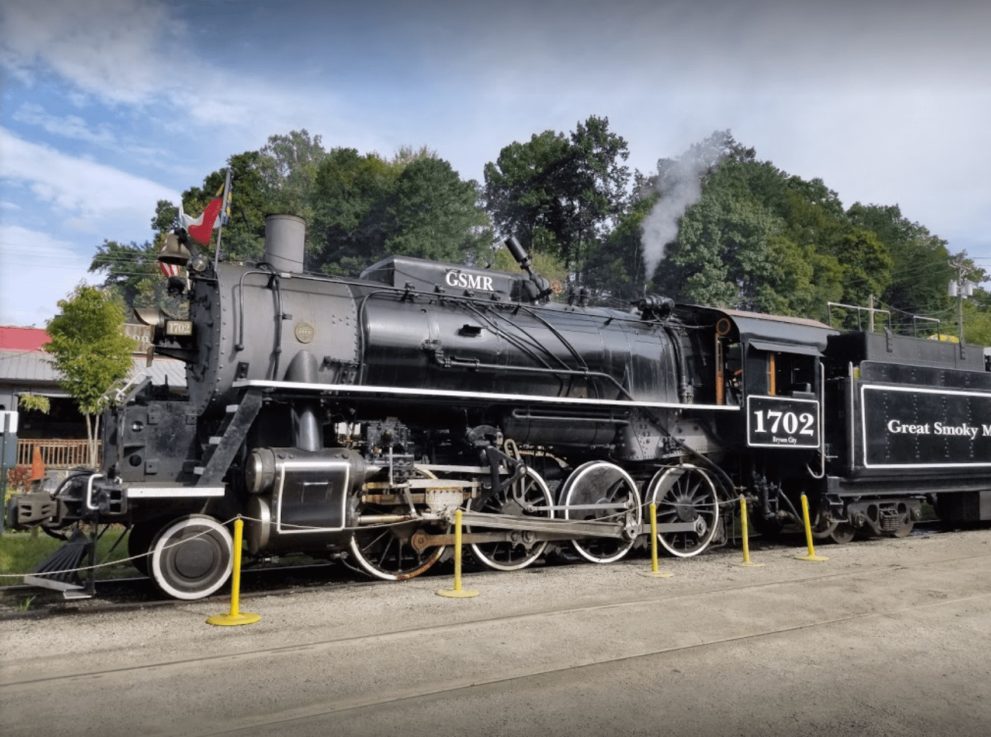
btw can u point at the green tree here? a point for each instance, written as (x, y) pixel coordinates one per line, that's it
(977, 318)
(287, 167)
(34, 403)
(416, 205)
(615, 272)
(921, 266)
(560, 193)
(432, 213)
(90, 352)
(522, 188)
(243, 237)
(349, 222)
(601, 183)
(131, 271)
(866, 264)
(545, 264)
(733, 248)
(761, 239)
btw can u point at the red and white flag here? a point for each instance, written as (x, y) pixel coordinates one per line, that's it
(168, 269)
(201, 229)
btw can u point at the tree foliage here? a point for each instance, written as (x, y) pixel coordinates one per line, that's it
(89, 351)
(737, 230)
(34, 403)
(977, 318)
(760, 239)
(414, 205)
(560, 193)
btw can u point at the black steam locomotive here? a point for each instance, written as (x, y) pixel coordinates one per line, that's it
(352, 417)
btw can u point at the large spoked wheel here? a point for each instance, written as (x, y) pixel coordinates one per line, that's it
(598, 482)
(386, 551)
(191, 557)
(685, 495)
(513, 555)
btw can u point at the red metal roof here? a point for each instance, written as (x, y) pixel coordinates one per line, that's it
(22, 339)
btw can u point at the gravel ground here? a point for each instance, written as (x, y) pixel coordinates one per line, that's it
(889, 637)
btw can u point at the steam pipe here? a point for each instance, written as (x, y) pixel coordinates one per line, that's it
(306, 429)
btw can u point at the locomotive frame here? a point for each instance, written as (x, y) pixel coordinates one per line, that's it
(350, 418)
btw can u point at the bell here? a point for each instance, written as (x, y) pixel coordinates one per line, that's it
(173, 251)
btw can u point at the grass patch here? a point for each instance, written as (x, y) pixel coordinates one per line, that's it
(22, 552)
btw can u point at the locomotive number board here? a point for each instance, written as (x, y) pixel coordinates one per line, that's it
(909, 427)
(782, 422)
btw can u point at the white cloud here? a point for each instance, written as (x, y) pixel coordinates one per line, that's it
(139, 53)
(68, 126)
(106, 48)
(98, 198)
(36, 271)
(918, 149)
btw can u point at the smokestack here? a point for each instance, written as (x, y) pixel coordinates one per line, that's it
(285, 240)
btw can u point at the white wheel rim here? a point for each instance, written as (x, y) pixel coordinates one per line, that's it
(704, 540)
(165, 541)
(572, 483)
(538, 549)
(373, 570)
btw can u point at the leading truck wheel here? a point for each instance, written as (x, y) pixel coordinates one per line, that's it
(191, 557)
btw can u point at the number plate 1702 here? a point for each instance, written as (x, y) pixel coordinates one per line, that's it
(782, 422)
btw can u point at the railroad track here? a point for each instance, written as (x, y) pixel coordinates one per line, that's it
(138, 592)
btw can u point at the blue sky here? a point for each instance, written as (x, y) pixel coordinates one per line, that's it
(110, 105)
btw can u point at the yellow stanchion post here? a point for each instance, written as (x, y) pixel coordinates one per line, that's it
(457, 592)
(808, 534)
(745, 533)
(655, 568)
(235, 616)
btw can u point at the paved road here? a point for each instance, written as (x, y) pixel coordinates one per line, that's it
(887, 638)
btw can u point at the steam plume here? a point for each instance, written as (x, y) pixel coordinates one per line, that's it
(679, 183)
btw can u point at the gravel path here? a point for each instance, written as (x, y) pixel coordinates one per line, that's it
(887, 637)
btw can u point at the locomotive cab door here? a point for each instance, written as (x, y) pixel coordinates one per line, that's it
(781, 395)
(781, 370)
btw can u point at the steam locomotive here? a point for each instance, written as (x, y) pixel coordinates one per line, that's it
(350, 418)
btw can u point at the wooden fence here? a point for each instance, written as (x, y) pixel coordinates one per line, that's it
(55, 453)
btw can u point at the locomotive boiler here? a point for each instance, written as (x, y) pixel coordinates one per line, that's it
(350, 417)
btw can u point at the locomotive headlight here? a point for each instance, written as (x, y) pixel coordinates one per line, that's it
(199, 263)
(178, 328)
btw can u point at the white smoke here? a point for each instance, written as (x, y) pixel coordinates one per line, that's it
(679, 184)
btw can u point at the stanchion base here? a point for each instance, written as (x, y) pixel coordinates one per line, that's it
(454, 594)
(814, 558)
(233, 620)
(748, 564)
(657, 574)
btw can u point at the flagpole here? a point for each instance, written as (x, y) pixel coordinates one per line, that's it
(223, 213)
